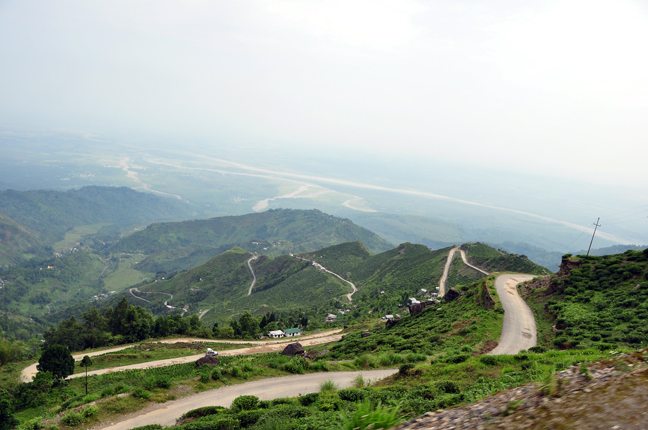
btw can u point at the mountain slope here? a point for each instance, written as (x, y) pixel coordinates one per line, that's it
(594, 302)
(497, 260)
(180, 245)
(38, 219)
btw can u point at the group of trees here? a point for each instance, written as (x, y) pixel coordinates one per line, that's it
(122, 323)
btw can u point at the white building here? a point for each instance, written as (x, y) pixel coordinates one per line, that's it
(276, 334)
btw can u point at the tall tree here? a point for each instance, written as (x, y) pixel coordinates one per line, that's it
(57, 360)
(85, 362)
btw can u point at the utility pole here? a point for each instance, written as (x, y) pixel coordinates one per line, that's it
(5, 325)
(596, 225)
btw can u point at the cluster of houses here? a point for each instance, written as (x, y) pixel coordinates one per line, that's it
(289, 332)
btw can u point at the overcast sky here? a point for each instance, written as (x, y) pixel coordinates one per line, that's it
(561, 86)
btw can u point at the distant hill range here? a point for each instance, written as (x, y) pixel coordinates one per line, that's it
(288, 282)
(32, 221)
(181, 245)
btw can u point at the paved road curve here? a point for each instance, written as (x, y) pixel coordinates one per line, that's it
(29, 372)
(519, 329)
(266, 389)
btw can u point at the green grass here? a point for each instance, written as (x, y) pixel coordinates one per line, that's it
(495, 260)
(76, 234)
(125, 274)
(602, 303)
(458, 328)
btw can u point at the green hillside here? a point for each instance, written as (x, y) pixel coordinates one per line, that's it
(595, 302)
(497, 260)
(284, 283)
(32, 221)
(173, 246)
(17, 242)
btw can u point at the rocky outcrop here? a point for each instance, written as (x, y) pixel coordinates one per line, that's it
(207, 360)
(601, 396)
(451, 295)
(293, 349)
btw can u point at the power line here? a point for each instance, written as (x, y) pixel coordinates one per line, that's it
(596, 226)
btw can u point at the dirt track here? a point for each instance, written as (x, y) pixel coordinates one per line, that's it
(260, 347)
(266, 389)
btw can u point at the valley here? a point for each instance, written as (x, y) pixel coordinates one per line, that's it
(407, 315)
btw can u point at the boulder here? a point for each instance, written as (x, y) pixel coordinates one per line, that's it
(207, 360)
(451, 295)
(293, 349)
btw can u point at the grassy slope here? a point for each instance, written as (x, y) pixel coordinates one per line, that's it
(495, 260)
(464, 326)
(272, 232)
(223, 282)
(602, 302)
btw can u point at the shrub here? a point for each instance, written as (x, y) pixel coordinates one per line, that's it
(308, 399)
(248, 418)
(202, 412)
(72, 419)
(352, 394)
(405, 369)
(141, 393)
(370, 416)
(217, 375)
(217, 423)
(448, 387)
(90, 411)
(244, 403)
(148, 427)
(156, 382)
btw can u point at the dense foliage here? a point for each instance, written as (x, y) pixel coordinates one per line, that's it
(598, 301)
(57, 360)
(120, 324)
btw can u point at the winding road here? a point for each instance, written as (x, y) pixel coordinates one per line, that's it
(30, 371)
(249, 263)
(319, 267)
(166, 414)
(446, 270)
(519, 329)
(166, 302)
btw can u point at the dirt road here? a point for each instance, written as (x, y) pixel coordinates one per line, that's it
(318, 266)
(519, 329)
(29, 372)
(249, 263)
(266, 389)
(446, 270)
(464, 257)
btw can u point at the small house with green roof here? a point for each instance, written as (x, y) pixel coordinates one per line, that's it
(292, 332)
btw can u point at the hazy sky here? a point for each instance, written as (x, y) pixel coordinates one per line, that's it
(550, 87)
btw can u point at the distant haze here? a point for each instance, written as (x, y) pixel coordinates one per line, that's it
(537, 107)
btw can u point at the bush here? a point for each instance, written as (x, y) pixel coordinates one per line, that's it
(141, 393)
(370, 416)
(245, 403)
(90, 411)
(156, 382)
(352, 394)
(308, 399)
(217, 423)
(405, 369)
(202, 412)
(148, 427)
(72, 419)
(448, 387)
(248, 418)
